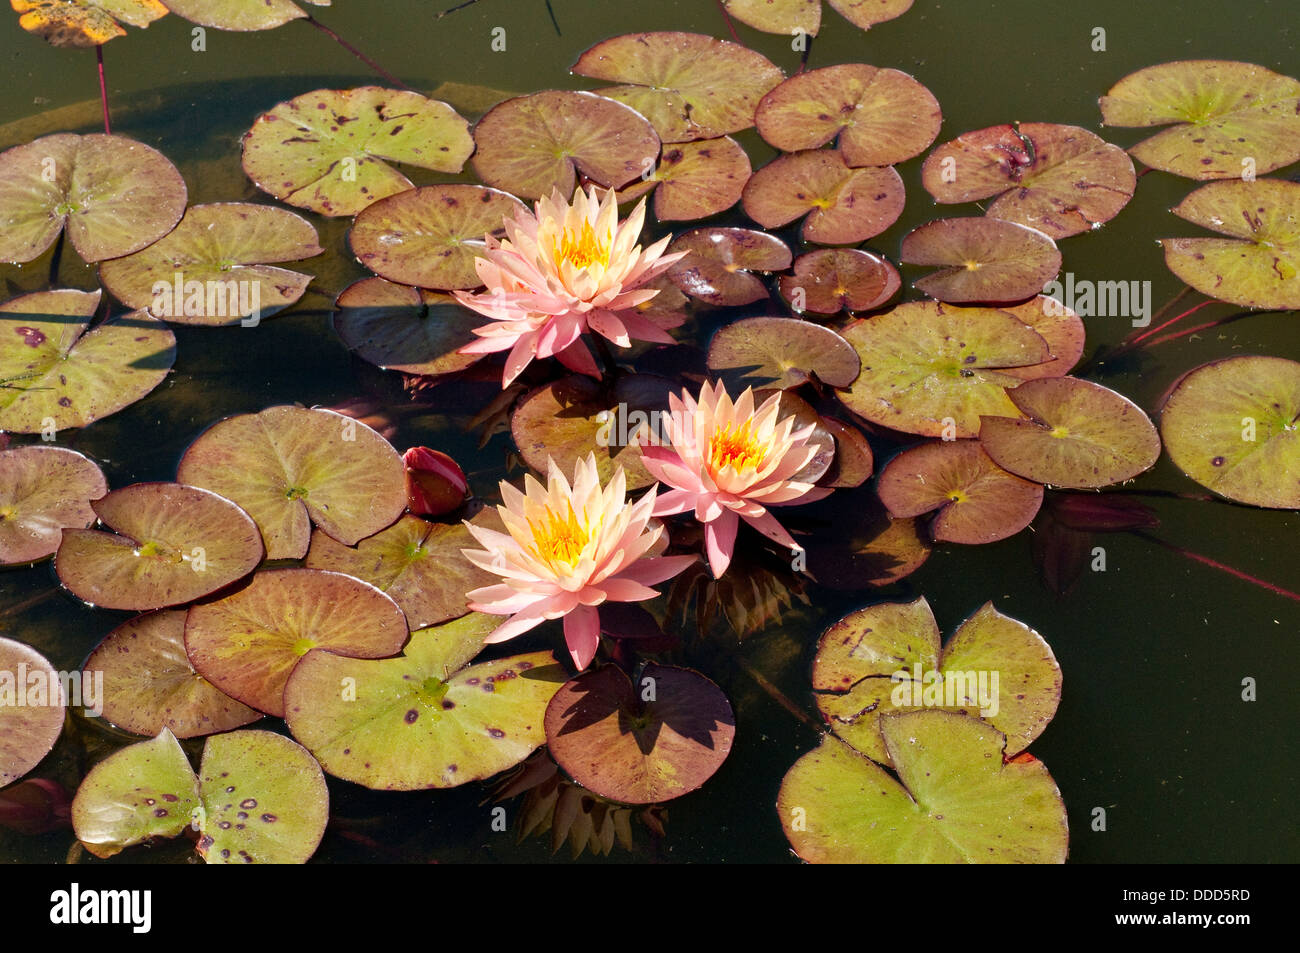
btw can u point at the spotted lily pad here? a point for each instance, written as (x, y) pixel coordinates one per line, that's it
(328, 150)
(783, 352)
(977, 501)
(406, 329)
(31, 709)
(1073, 433)
(644, 743)
(805, 16)
(114, 195)
(719, 269)
(831, 280)
(881, 116)
(1060, 327)
(430, 237)
(290, 467)
(846, 205)
(688, 85)
(1225, 113)
(1258, 265)
(533, 144)
(247, 643)
(986, 259)
(424, 719)
(1061, 180)
(85, 22)
(1234, 426)
(954, 801)
(43, 491)
(241, 15)
(150, 684)
(694, 179)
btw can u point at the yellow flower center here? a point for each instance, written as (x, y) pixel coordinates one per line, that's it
(560, 537)
(583, 249)
(739, 449)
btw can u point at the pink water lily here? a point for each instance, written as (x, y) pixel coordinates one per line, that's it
(729, 461)
(563, 270)
(567, 549)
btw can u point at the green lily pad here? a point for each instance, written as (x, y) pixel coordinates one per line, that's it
(1259, 265)
(328, 150)
(170, 544)
(423, 720)
(114, 195)
(933, 370)
(688, 85)
(694, 179)
(839, 279)
(783, 352)
(955, 800)
(1060, 327)
(418, 564)
(644, 743)
(805, 16)
(533, 144)
(214, 266)
(846, 205)
(290, 467)
(429, 237)
(31, 709)
(1226, 112)
(56, 372)
(150, 684)
(1233, 426)
(400, 328)
(241, 15)
(83, 23)
(719, 269)
(977, 501)
(43, 491)
(247, 643)
(1073, 433)
(987, 259)
(881, 116)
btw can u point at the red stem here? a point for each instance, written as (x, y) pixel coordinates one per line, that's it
(1174, 319)
(103, 88)
(1277, 590)
(362, 56)
(727, 16)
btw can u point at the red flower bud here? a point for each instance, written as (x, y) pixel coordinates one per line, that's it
(434, 483)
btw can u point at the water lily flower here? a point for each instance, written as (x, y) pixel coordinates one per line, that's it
(568, 549)
(564, 270)
(435, 483)
(729, 461)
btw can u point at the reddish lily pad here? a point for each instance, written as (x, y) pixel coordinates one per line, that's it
(783, 352)
(805, 16)
(1226, 113)
(1060, 327)
(31, 709)
(83, 23)
(1074, 433)
(688, 85)
(642, 744)
(1234, 426)
(328, 150)
(987, 259)
(719, 268)
(531, 145)
(113, 194)
(43, 491)
(400, 328)
(290, 467)
(853, 461)
(831, 280)
(695, 179)
(170, 544)
(881, 116)
(846, 205)
(429, 237)
(240, 15)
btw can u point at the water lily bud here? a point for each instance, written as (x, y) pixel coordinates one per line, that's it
(435, 484)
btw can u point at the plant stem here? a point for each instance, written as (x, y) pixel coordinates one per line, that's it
(1175, 319)
(731, 27)
(1263, 584)
(554, 22)
(361, 56)
(459, 6)
(779, 696)
(103, 88)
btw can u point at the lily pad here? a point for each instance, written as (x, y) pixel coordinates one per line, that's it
(1061, 180)
(429, 237)
(114, 195)
(1259, 264)
(241, 15)
(170, 544)
(719, 268)
(1060, 327)
(987, 259)
(1234, 426)
(846, 205)
(290, 467)
(83, 23)
(328, 150)
(932, 369)
(1226, 112)
(805, 16)
(150, 684)
(247, 643)
(644, 743)
(881, 116)
(400, 328)
(782, 352)
(1073, 433)
(31, 709)
(43, 491)
(423, 720)
(55, 371)
(853, 461)
(533, 144)
(977, 501)
(840, 279)
(695, 179)
(688, 85)
(955, 800)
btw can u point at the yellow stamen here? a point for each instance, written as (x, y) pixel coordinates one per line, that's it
(739, 449)
(582, 250)
(560, 537)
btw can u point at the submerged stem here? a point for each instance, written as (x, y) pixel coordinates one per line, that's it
(359, 55)
(731, 27)
(103, 88)
(1222, 567)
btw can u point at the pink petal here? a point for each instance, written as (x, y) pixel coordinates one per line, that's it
(606, 324)
(769, 527)
(623, 589)
(520, 356)
(582, 635)
(655, 569)
(720, 541)
(674, 501)
(576, 357)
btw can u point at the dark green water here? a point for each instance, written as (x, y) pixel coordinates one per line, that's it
(1151, 726)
